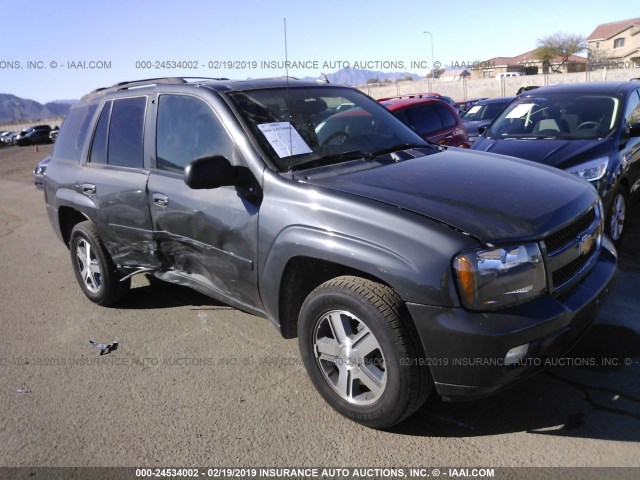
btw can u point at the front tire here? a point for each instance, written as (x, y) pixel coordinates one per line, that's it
(94, 269)
(357, 345)
(617, 215)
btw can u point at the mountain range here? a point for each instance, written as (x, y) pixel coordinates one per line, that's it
(16, 109)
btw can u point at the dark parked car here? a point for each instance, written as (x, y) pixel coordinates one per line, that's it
(430, 118)
(34, 135)
(591, 130)
(481, 115)
(396, 262)
(464, 106)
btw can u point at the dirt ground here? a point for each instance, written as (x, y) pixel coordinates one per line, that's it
(197, 383)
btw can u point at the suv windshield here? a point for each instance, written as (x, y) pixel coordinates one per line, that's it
(309, 125)
(485, 111)
(558, 115)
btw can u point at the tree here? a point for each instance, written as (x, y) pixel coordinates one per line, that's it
(558, 46)
(439, 71)
(599, 58)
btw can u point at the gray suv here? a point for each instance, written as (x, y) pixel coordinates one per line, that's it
(404, 268)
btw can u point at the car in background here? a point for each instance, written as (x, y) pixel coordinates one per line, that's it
(508, 74)
(526, 88)
(437, 96)
(591, 130)
(466, 105)
(7, 138)
(53, 134)
(431, 118)
(34, 135)
(39, 171)
(481, 114)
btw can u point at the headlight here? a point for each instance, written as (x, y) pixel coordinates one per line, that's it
(592, 170)
(501, 276)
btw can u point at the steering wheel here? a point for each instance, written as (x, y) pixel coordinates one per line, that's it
(335, 135)
(590, 125)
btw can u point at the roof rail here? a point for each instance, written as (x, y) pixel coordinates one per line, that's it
(411, 95)
(140, 83)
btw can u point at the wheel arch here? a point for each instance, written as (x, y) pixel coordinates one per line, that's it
(301, 258)
(69, 217)
(300, 277)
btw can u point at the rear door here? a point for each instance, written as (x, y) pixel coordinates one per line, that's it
(208, 236)
(115, 180)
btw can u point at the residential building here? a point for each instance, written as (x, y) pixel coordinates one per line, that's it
(615, 45)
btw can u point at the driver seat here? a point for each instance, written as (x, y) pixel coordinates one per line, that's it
(551, 125)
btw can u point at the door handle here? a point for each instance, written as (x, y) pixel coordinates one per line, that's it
(160, 200)
(88, 188)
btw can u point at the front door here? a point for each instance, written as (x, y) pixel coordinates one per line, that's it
(209, 236)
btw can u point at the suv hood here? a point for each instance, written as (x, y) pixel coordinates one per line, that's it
(491, 197)
(556, 153)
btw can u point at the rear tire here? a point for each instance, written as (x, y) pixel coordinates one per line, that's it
(94, 269)
(359, 350)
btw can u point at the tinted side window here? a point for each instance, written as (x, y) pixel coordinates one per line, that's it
(126, 132)
(73, 133)
(632, 112)
(424, 118)
(448, 119)
(99, 145)
(402, 116)
(188, 129)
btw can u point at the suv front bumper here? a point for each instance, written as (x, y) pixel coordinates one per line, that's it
(466, 350)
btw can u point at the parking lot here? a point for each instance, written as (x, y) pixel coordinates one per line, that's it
(197, 383)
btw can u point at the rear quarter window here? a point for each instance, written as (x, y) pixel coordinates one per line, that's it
(424, 118)
(448, 118)
(73, 133)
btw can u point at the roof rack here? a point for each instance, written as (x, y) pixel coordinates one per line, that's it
(411, 95)
(140, 83)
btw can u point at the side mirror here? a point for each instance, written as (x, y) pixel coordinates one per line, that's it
(210, 172)
(634, 130)
(482, 129)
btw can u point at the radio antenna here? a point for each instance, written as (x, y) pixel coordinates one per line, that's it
(286, 67)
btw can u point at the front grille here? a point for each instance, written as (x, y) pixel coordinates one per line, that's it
(565, 254)
(570, 270)
(560, 239)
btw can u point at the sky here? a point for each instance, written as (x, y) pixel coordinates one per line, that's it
(59, 50)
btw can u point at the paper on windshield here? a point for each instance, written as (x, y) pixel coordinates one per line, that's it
(284, 139)
(520, 111)
(474, 109)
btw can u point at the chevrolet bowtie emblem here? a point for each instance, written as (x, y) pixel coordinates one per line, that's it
(586, 241)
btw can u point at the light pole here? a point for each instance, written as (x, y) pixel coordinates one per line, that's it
(433, 68)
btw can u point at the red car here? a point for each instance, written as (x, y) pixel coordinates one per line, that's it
(432, 119)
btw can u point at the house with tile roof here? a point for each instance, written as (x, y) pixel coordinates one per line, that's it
(616, 42)
(451, 75)
(527, 64)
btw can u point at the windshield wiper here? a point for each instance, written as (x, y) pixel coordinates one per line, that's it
(403, 146)
(335, 158)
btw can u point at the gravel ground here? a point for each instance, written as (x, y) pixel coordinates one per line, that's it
(197, 383)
